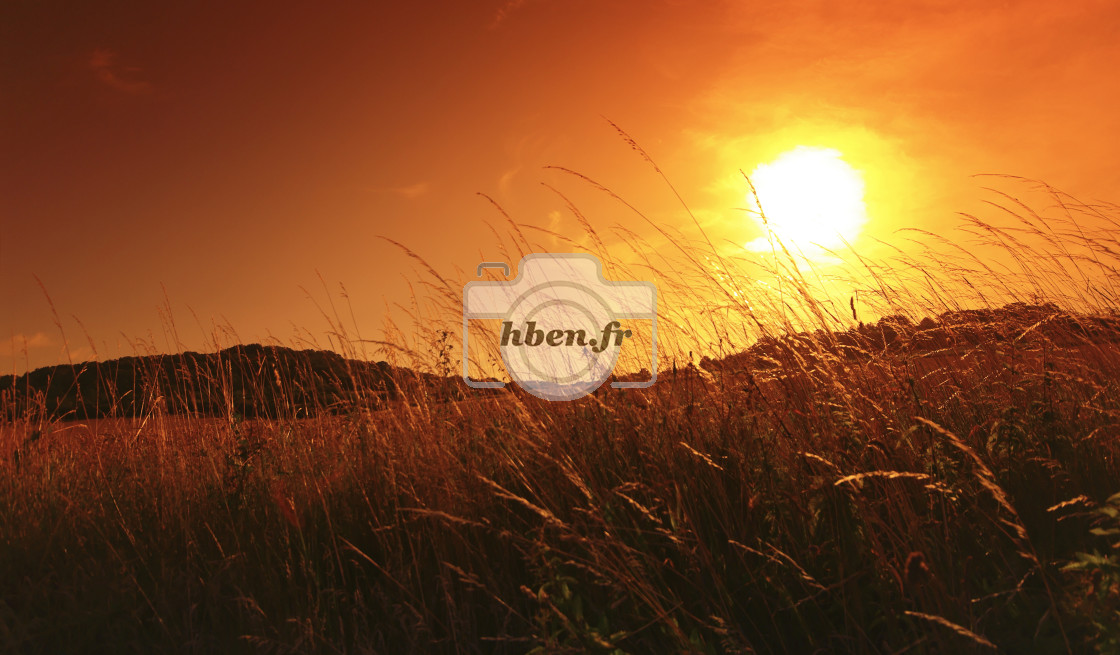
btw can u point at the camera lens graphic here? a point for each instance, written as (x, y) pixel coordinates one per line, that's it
(574, 363)
(561, 330)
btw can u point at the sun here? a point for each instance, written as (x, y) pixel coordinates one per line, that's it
(811, 199)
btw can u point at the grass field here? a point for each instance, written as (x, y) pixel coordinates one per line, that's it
(954, 498)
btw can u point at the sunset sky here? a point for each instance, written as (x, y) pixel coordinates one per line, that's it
(230, 156)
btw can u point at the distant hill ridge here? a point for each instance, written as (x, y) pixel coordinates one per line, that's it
(1032, 325)
(246, 380)
(272, 381)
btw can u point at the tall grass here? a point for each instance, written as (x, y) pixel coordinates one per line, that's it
(830, 494)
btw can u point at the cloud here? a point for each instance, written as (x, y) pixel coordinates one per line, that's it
(103, 63)
(413, 190)
(410, 191)
(20, 342)
(507, 8)
(80, 354)
(505, 182)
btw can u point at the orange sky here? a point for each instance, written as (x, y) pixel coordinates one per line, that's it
(230, 156)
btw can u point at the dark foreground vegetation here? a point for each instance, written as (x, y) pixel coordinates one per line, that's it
(853, 493)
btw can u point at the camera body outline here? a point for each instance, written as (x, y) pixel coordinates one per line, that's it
(559, 290)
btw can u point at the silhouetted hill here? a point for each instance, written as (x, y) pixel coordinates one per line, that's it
(273, 381)
(247, 380)
(1035, 326)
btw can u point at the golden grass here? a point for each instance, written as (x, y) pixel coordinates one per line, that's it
(857, 499)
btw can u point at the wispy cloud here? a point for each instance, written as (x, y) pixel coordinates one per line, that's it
(20, 342)
(80, 354)
(103, 62)
(505, 182)
(507, 8)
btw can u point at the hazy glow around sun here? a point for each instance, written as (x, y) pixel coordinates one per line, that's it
(811, 197)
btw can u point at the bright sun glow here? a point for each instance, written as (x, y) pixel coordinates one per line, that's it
(811, 197)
